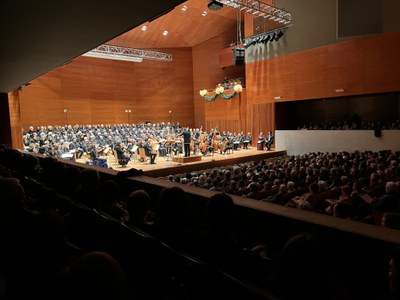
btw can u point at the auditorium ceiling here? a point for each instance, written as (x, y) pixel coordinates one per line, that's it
(38, 36)
(188, 24)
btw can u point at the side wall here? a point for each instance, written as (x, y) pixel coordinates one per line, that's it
(362, 66)
(297, 142)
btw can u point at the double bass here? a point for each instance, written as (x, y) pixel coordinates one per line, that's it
(224, 146)
(204, 147)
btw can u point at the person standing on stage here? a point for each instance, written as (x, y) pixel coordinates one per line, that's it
(261, 141)
(186, 141)
(270, 140)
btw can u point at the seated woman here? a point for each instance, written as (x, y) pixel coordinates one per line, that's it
(261, 141)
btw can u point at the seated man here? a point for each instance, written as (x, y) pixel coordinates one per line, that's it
(93, 152)
(149, 151)
(123, 159)
(269, 140)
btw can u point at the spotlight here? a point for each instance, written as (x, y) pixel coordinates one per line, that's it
(165, 33)
(214, 5)
(266, 39)
(184, 8)
(144, 27)
(272, 37)
(204, 13)
(279, 35)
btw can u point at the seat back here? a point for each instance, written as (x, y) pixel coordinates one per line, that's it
(142, 153)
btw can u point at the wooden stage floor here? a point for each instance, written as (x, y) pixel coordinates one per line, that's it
(166, 166)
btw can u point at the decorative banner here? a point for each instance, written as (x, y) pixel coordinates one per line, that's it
(220, 91)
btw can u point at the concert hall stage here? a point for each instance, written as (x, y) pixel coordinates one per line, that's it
(173, 165)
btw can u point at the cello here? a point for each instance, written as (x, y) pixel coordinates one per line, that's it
(224, 146)
(205, 146)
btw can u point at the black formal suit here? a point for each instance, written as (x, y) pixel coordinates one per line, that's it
(186, 141)
(269, 141)
(148, 149)
(122, 158)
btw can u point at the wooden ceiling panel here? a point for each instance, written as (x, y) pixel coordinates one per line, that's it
(185, 28)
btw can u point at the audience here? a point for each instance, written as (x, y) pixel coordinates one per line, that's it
(305, 273)
(351, 125)
(301, 271)
(394, 275)
(138, 207)
(172, 217)
(314, 181)
(110, 201)
(95, 275)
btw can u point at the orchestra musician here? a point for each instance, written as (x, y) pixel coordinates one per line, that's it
(94, 155)
(237, 140)
(162, 147)
(247, 140)
(123, 159)
(148, 149)
(195, 143)
(270, 140)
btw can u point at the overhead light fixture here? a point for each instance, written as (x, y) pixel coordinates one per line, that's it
(204, 13)
(184, 8)
(113, 56)
(165, 33)
(266, 39)
(258, 9)
(278, 98)
(144, 27)
(214, 5)
(339, 90)
(279, 35)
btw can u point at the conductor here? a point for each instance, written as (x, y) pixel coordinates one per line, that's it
(186, 141)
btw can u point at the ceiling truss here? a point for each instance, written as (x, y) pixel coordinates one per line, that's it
(260, 9)
(127, 54)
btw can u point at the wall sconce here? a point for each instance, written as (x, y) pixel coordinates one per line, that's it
(128, 111)
(66, 116)
(339, 90)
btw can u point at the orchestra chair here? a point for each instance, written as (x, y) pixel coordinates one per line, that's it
(142, 155)
(115, 158)
(229, 148)
(118, 162)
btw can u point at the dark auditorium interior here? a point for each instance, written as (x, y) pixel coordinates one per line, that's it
(200, 149)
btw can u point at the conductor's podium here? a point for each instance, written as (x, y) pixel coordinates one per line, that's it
(183, 159)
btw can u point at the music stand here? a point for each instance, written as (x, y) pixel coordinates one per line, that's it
(168, 146)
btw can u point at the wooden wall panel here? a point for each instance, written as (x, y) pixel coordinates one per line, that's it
(360, 66)
(99, 91)
(5, 122)
(260, 117)
(225, 114)
(15, 120)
